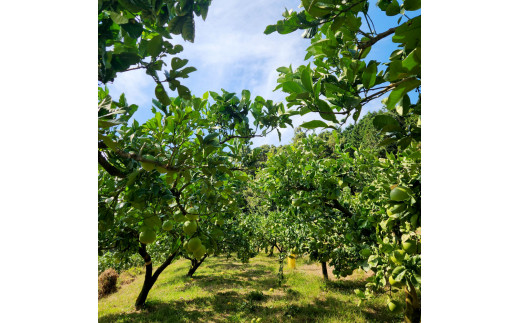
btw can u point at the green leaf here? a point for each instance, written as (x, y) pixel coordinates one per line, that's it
(393, 8)
(314, 124)
(398, 273)
(121, 62)
(412, 5)
(184, 92)
(369, 75)
(105, 124)
(313, 10)
(337, 23)
(326, 111)
(135, 30)
(306, 78)
(270, 29)
(176, 49)
(382, 120)
(292, 87)
(409, 33)
(155, 46)
(204, 11)
(398, 93)
(188, 30)
(405, 142)
(412, 63)
(178, 63)
(118, 18)
(161, 94)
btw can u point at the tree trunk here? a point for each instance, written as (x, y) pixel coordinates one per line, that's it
(272, 252)
(412, 312)
(194, 266)
(324, 270)
(149, 279)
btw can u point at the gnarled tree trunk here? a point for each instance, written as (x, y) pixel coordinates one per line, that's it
(195, 265)
(149, 278)
(412, 312)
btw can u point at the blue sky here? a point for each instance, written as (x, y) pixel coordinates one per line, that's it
(231, 52)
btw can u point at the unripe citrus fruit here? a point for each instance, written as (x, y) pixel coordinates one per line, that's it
(400, 194)
(192, 217)
(199, 253)
(189, 227)
(194, 244)
(410, 246)
(167, 225)
(147, 236)
(396, 209)
(179, 217)
(296, 202)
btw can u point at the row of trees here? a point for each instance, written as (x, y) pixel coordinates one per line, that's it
(181, 183)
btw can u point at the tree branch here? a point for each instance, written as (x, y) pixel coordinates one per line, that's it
(112, 170)
(374, 40)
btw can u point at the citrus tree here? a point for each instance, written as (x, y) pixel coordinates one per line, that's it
(179, 166)
(337, 86)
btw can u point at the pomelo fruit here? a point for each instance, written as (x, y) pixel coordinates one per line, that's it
(199, 253)
(398, 256)
(179, 217)
(400, 194)
(161, 170)
(410, 246)
(194, 244)
(147, 236)
(296, 202)
(192, 217)
(167, 225)
(189, 227)
(396, 209)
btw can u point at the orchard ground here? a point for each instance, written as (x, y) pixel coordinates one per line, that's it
(224, 290)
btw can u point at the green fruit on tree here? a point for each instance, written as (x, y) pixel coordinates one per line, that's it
(199, 253)
(396, 209)
(189, 227)
(393, 306)
(398, 256)
(167, 225)
(161, 170)
(297, 202)
(219, 222)
(192, 217)
(179, 217)
(147, 236)
(148, 166)
(400, 193)
(194, 244)
(410, 246)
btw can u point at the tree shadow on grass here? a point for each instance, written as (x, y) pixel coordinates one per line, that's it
(155, 311)
(345, 286)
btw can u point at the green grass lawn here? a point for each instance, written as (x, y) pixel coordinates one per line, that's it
(228, 291)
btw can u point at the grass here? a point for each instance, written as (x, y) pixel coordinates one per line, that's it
(228, 291)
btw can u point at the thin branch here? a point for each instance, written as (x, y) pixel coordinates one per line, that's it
(374, 40)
